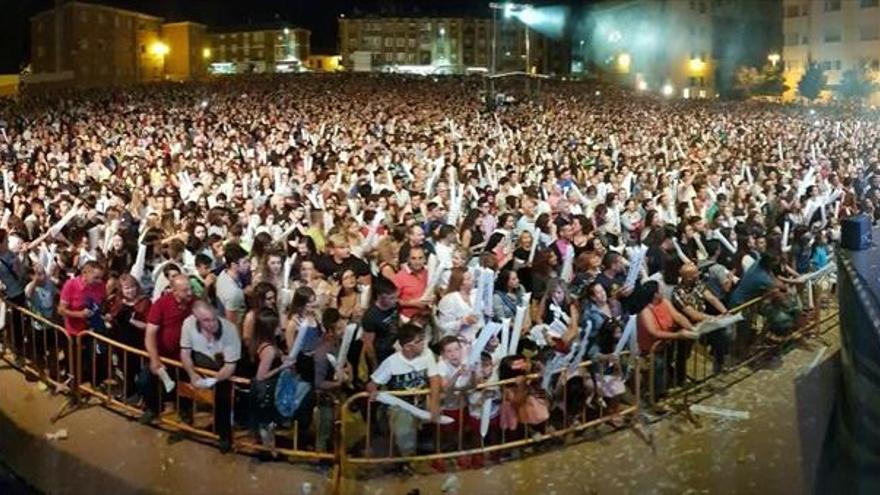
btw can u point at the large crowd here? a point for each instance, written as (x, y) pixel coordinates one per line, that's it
(325, 235)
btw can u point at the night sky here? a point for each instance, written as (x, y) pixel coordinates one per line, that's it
(317, 15)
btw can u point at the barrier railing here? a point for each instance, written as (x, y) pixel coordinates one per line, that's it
(194, 410)
(360, 433)
(579, 404)
(688, 365)
(40, 348)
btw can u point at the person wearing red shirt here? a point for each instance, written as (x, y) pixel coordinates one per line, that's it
(162, 340)
(80, 305)
(411, 282)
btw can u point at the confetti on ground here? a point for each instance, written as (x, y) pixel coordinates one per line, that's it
(718, 411)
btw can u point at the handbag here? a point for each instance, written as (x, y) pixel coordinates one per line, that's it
(290, 391)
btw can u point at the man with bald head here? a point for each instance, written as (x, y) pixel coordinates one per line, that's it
(693, 298)
(162, 339)
(210, 341)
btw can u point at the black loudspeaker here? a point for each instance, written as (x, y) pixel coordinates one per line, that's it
(855, 233)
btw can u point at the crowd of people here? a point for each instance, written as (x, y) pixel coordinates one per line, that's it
(325, 235)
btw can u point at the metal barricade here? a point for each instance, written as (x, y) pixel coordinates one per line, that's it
(195, 410)
(39, 347)
(689, 365)
(372, 435)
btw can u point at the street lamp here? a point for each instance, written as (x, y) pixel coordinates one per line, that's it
(510, 9)
(160, 50)
(773, 58)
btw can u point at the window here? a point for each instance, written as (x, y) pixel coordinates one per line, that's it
(116, 21)
(702, 7)
(832, 36)
(389, 57)
(41, 51)
(401, 42)
(411, 43)
(100, 20)
(82, 16)
(875, 64)
(837, 65)
(792, 39)
(805, 40)
(143, 49)
(869, 33)
(389, 42)
(832, 5)
(792, 11)
(869, 3)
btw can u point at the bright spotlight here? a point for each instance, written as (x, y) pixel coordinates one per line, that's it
(697, 65)
(642, 86)
(508, 10)
(668, 90)
(286, 31)
(204, 103)
(160, 49)
(812, 112)
(598, 93)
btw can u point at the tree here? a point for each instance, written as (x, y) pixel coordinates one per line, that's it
(772, 82)
(766, 82)
(855, 85)
(812, 83)
(747, 79)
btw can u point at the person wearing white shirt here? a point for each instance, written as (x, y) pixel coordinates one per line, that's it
(455, 314)
(413, 367)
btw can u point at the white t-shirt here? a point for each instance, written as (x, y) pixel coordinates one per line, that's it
(227, 343)
(229, 293)
(399, 373)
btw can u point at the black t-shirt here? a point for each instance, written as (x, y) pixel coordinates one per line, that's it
(383, 323)
(329, 267)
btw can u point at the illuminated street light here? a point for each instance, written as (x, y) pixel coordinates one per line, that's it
(442, 31)
(773, 58)
(206, 53)
(623, 62)
(159, 49)
(668, 89)
(642, 85)
(697, 65)
(286, 31)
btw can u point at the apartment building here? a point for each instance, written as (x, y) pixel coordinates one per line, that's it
(258, 49)
(447, 44)
(838, 35)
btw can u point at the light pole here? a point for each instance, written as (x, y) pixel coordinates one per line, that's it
(510, 10)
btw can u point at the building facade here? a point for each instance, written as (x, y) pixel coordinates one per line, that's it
(90, 45)
(258, 50)
(443, 45)
(655, 45)
(97, 45)
(837, 35)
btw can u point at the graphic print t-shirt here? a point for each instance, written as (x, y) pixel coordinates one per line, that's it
(399, 373)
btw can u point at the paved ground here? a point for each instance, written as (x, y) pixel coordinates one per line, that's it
(108, 454)
(774, 451)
